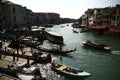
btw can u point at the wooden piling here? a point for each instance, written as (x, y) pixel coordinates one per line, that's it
(28, 60)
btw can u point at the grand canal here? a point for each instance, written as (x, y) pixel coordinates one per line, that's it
(101, 64)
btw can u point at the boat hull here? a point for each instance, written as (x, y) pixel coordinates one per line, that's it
(9, 72)
(73, 73)
(103, 47)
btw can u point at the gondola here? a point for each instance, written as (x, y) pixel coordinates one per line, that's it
(96, 45)
(69, 71)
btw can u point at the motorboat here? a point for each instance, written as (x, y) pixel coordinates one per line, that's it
(69, 71)
(96, 45)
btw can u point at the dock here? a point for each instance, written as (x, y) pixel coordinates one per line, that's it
(9, 59)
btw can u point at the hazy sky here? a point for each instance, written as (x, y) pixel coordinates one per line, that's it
(66, 8)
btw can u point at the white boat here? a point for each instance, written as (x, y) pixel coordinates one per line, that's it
(53, 36)
(69, 71)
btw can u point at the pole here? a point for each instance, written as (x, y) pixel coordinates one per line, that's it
(27, 60)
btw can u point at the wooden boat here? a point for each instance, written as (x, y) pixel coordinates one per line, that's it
(75, 31)
(8, 72)
(6, 77)
(11, 69)
(84, 30)
(53, 37)
(30, 77)
(69, 71)
(20, 72)
(75, 25)
(31, 71)
(97, 45)
(56, 51)
(30, 41)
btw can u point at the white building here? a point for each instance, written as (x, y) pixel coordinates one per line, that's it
(90, 20)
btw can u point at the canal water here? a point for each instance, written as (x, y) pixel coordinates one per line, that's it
(101, 64)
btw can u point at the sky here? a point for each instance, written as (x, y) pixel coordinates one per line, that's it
(66, 8)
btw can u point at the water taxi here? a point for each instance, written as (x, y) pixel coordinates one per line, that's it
(96, 45)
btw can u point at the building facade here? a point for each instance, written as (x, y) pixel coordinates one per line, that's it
(108, 16)
(46, 18)
(16, 16)
(12, 15)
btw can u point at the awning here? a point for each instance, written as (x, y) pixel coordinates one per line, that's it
(97, 27)
(115, 30)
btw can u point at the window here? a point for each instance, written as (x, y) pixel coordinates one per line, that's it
(14, 10)
(14, 18)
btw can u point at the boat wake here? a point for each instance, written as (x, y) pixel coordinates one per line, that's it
(115, 52)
